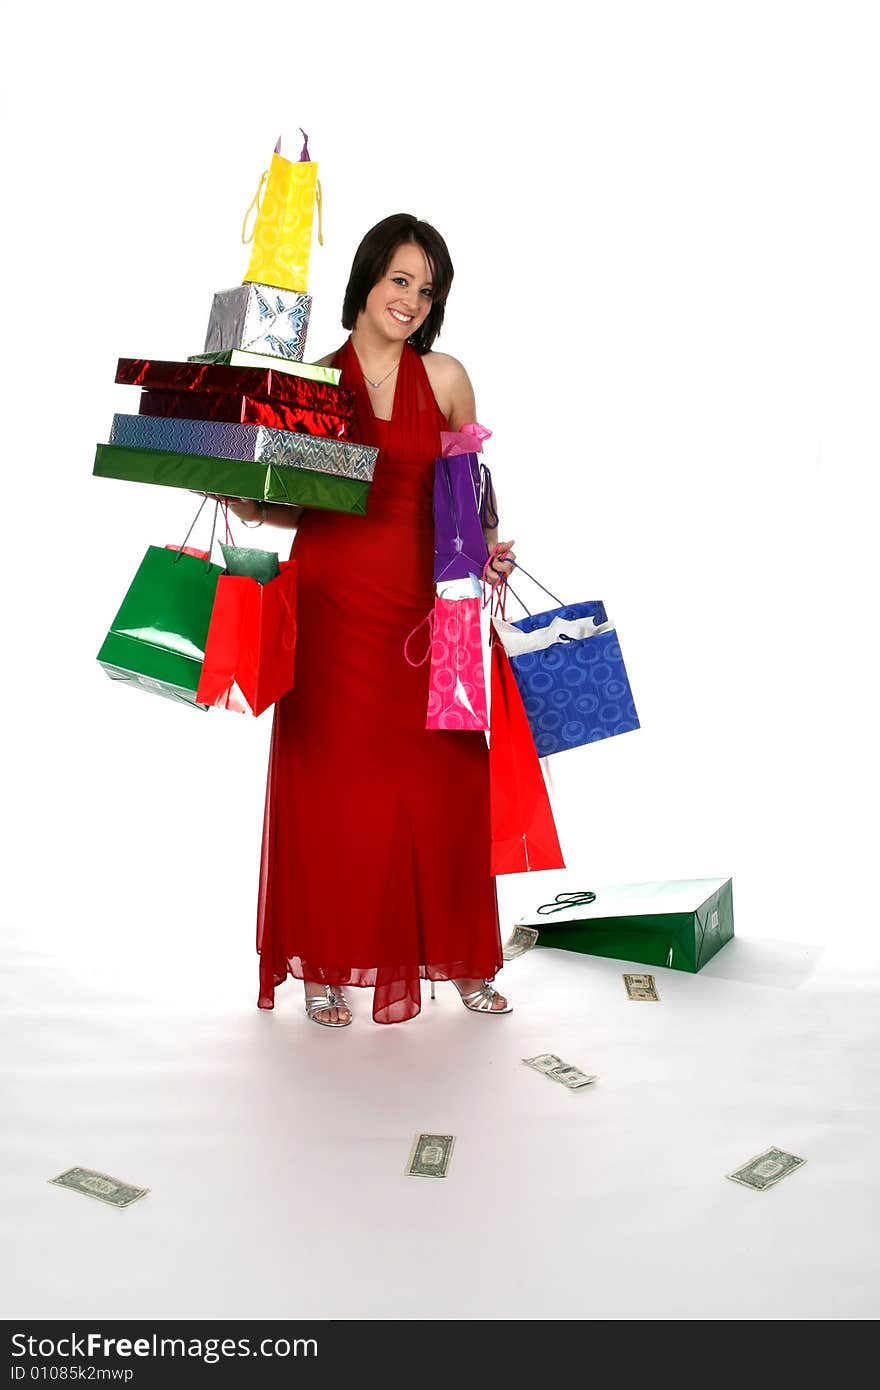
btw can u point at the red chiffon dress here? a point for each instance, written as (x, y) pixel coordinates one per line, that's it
(376, 839)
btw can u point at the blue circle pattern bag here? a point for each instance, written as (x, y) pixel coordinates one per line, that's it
(574, 691)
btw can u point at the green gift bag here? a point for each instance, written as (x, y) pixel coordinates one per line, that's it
(680, 923)
(157, 640)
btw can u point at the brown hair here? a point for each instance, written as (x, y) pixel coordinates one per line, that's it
(373, 257)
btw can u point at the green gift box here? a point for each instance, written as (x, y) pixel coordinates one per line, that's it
(157, 640)
(681, 923)
(265, 482)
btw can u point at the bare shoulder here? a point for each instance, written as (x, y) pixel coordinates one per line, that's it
(326, 361)
(452, 387)
(443, 368)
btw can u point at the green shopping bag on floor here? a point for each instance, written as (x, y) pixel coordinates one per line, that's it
(157, 640)
(678, 923)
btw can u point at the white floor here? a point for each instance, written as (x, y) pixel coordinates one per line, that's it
(275, 1150)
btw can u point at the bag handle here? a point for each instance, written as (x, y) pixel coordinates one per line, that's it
(429, 619)
(562, 901)
(497, 600)
(488, 514)
(255, 203)
(217, 505)
(288, 608)
(507, 585)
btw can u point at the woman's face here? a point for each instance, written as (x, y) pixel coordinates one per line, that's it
(401, 300)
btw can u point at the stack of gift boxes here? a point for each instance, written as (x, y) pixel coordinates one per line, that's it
(247, 418)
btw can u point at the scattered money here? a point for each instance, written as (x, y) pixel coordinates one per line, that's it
(641, 987)
(571, 1077)
(765, 1170)
(430, 1155)
(545, 1061)
(98, 1185)
(522, 940)
(548, 1064)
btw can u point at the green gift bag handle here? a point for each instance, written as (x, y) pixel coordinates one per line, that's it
(229, 539)
(565, 900)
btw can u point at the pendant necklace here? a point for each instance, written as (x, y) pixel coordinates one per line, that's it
(376, 384)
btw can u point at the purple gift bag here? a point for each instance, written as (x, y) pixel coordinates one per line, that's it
(459, 545)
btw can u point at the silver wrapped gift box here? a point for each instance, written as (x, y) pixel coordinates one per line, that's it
(249, 443)
(259, 318)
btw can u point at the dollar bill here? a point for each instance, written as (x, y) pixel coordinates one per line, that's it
(641, 987)
(522, 940)
(545, 1061)
(765, 1170)
(571, 1077)
(100, 1186)
(553, 1067)
(430, 1155)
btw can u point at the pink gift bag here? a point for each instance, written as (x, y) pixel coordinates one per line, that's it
(457, 682)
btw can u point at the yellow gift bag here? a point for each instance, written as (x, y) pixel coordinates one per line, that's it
(282, 233)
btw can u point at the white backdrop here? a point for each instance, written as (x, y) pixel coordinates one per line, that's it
(664, 222)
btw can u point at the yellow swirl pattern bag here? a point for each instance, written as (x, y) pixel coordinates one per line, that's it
(282, 233)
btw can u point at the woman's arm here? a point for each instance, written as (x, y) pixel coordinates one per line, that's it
(455, 396)
(452, 388)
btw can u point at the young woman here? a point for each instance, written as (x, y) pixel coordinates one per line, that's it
(376, 839)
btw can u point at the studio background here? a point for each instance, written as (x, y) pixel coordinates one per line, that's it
(664, 224)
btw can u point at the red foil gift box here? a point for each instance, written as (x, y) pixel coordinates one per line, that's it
(260, 383)
(246, 410)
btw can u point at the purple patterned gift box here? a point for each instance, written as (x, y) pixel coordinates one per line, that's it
(259, 318)
(248, 443)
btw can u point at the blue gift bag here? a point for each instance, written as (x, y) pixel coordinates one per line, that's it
(594, 609)
(577, 690)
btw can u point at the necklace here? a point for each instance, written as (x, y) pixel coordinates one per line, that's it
(376, 384)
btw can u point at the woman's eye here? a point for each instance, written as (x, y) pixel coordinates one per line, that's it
(399, 280)
(429, 294)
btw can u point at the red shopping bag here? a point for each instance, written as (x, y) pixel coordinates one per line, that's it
(249, 653)
(523, 831)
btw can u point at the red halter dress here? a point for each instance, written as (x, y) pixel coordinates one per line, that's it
(376, 837)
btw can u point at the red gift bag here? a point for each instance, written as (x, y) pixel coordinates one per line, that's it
(250, 647)
(523, 831)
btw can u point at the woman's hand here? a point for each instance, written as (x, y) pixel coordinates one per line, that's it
(502, 564)
(245, 508)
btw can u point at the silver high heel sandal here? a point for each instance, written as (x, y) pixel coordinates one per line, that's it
(479, 1001)
(330, 999)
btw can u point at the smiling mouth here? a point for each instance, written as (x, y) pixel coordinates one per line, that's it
(399, 317)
